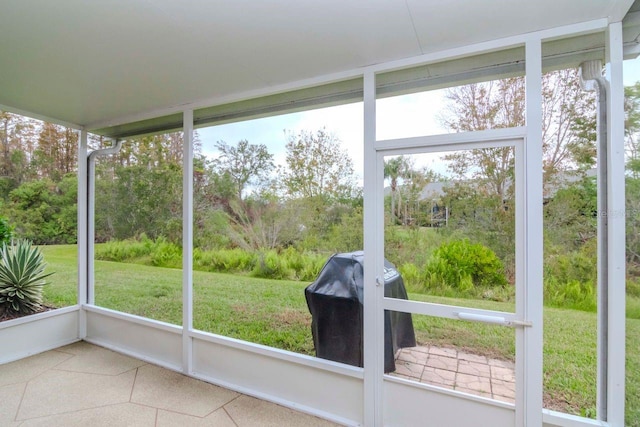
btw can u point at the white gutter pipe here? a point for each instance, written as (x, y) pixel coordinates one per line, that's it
(591, 80)
(91, 201)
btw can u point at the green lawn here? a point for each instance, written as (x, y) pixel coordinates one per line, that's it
(274, 313)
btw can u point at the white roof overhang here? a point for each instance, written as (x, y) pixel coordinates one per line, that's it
(128, 67)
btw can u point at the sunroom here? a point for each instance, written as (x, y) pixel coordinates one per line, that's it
(129, 68)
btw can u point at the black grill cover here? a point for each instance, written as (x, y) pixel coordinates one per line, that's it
(335, 302)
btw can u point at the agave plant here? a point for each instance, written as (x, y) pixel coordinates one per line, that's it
(21, 277)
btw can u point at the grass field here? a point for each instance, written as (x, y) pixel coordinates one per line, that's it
(274, 313)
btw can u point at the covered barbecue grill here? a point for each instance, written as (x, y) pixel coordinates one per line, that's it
(335, 301)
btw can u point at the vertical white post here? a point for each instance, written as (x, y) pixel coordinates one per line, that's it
(91, 217)
(530, 301)
(373, 320)
(91, 226)
(616, 227)
(187, 243)
(82, 232)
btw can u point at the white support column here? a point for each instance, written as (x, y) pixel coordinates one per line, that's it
(91, 225)
(373, 320)
(91, 220)
(187, 243)
(616, 227)
(82, 232)
(529, 304)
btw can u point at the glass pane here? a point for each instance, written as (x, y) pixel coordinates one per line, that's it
(570, 359)
(633, 364)
(472, 358)
(432, 99)
(270, 208)
(138, 223)
(38, 192)
(62, 286)
(473, 107)
(570, 240)
(632, 146)
(407, 116)
(450, 225)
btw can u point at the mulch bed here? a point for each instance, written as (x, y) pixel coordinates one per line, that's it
(10, 314)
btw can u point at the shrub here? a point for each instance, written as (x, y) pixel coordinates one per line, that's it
(43, 211)
(570, 280)
(633, 288)
(304, 266)
(225, 260)
(633, 308)
(413, 245)
(125, 250)
(295, 261)
(570, 266)
(462, 266)
(412, 278)
(271, 266)
(166, 254)
(346, 235)
(571, 294)
(159, 252)
(21, 277)
(6, 231)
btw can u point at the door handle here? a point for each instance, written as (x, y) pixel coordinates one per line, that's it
(494, 320)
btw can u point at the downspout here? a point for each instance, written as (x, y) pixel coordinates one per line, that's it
(591, 80)
(91, 201)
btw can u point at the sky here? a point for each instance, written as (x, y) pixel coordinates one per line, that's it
(397, 117)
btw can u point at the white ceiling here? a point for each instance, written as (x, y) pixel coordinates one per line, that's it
(91, 61)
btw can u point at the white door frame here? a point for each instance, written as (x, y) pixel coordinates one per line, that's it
(525, 377)
(529, 293)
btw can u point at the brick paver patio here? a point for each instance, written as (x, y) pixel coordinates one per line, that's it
(458, 370)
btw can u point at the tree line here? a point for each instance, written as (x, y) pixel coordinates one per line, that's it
(38, 186)
(241, 198)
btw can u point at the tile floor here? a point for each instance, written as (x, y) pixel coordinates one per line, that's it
(457, 370)
(86, 385)
(82, 384)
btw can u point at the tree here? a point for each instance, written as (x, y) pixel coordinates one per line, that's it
(224, 207)
(632, 189)
(143, 200)
(56, 154)
(415, 210)
(406, 183)
(481, 201)
(44, 211)
(632, 127)
(263, 221)
(482, 106)
(317, 166)
(6, 231)
(139, 189)
(246, 164)
(568, 126)
(570, 215)
(17, 145)
(395, 168)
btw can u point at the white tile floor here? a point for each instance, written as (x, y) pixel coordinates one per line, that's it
(86, 385)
